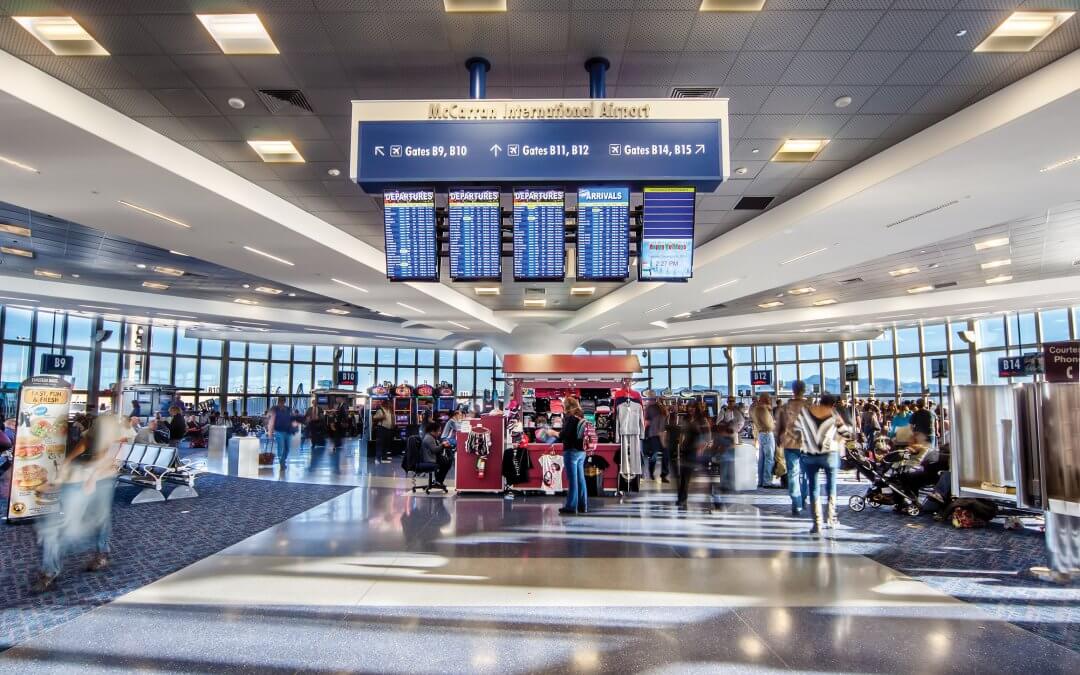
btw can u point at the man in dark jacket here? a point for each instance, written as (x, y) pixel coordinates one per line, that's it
(923, 423)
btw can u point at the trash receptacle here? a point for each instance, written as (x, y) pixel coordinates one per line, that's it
(594, 482)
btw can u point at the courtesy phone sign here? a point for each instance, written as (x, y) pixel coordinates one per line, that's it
(40, 447)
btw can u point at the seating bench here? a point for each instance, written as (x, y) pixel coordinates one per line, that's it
(151, 467)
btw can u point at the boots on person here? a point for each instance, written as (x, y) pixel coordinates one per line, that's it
(816, 529)
(832, 522)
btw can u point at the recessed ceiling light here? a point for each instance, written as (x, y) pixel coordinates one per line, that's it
(683, 315)
(486, 290)
(339, 312)
(141, 266)
(107, 309)
(721, 285)
(842, 102)
(251, 323)
(292, 295)
(474, 5)
(245, 301)
(1022, 31)
(411, 308)
(770, 304)
(334, 172)
(804, 255)
(826, 301)
(17, 230)
(536, 302)
(920, 289)
(237, 103)
(63, 35)
(608, 325)
(170, 271)
(264, 254)
(741, 170)
(995, 263)
(352, 286)
(659, 324)
(731, 5)
(657, 309)
(582, 290)
(754, 151)
(155, 214)
(22, 252)
(802, 291)
(75, 276)
(48, 274)
(1000, 279)
(903, 271)
(991, 243)
(239, 33)
(1063, 163)
(800, 149)
(155, 285)
(18, 165)
(182, 255)
(269, 290)
(961, 33)
(277, 152)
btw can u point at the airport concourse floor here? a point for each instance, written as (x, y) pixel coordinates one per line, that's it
(379, 580)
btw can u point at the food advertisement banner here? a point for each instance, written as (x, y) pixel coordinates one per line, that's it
(40, 447)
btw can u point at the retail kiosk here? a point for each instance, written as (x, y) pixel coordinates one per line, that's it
(538, 382)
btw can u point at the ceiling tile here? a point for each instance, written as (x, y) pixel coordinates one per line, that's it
(598, 32)
(814, 67)
(902, 30)
(185, 102)
(759, 68)
(867, 126)
(703, 68)
(925, 67)
(791, 99)
(719, 31)
(210, 70)
(846, 30)
(893, 99)
(780, 30)
(870, 67)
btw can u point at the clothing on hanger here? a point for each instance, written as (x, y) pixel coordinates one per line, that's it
(629, 433)
(478, 442)
(551, 467)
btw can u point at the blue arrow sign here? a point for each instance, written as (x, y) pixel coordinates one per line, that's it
(540, 151)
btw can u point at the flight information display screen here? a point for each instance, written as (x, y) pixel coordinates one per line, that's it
(412, 252)
(603, 234)
(539, 234)
(475, 234)
(667, 234)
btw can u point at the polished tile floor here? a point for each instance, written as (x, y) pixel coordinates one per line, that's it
(381, 581)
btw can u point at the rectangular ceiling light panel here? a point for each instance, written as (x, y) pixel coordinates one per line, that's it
(732, 5)
(62, 35)
(277, 152)
(22, 252)
(474, 5)
(991, 243)
(17, 230)
(239, 33)
(1022, 31)
(800, 150)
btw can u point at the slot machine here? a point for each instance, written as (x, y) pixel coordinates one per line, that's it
(404, 411)
(711, 399)
(377, 397)
(445, 403)
(425, 403)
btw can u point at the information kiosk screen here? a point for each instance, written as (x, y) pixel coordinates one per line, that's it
(603, 234)
(539, 234)
(475, 234)
(667, 234)
(412, 252)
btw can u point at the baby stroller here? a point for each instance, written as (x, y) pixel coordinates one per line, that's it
(895, 480)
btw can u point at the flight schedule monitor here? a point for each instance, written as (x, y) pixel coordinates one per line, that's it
(603, 234)
(475, 234)
(412, 252)
(539, 234)
(667, 234)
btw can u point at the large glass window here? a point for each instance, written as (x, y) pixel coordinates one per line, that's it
(209, 375)
(17, 324)
(907, 340)
(1055, 325)
(160, 371)
(809, 351)
(110, 367)
(991, 332)
(699, 378)
(48, 328)
(186, 345)
(883, 344)
(185, 373)
(910, 375)
(78, 332)
(15, 366)
(934, 338)
(161, 339)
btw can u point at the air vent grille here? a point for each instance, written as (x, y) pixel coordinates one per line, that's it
(947, 284)
(694, 92)
(852, 280)
(753, 203)
(920, 214)
(717, 306)
(282, 100)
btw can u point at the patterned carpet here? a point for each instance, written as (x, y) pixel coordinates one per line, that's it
(227, 511)
(987, 567)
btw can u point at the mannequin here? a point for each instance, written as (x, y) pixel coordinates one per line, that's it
(629, 433)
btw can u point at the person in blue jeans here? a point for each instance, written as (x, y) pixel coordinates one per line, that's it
(823, 433)
(791, 440)
(577, 499)
(281, 423)
(764, 425)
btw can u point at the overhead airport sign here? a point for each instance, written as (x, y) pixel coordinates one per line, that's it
(1062, 361)
(544, 141)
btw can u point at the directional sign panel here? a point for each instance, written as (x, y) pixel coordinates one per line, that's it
(475, 234)
(539, 234)
(412, 252)
(628, 151)
(603, 234)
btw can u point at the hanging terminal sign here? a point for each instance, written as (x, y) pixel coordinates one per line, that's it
(510, 143)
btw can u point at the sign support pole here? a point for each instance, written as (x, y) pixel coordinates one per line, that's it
(478, 69)
(597, 67)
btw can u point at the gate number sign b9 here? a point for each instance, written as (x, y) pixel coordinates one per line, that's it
(57, 364)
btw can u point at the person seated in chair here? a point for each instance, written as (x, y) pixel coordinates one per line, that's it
(434, 454)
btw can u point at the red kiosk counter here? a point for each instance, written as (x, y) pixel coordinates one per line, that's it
(537, 384)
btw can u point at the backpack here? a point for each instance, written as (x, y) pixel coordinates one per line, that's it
(587, 433)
